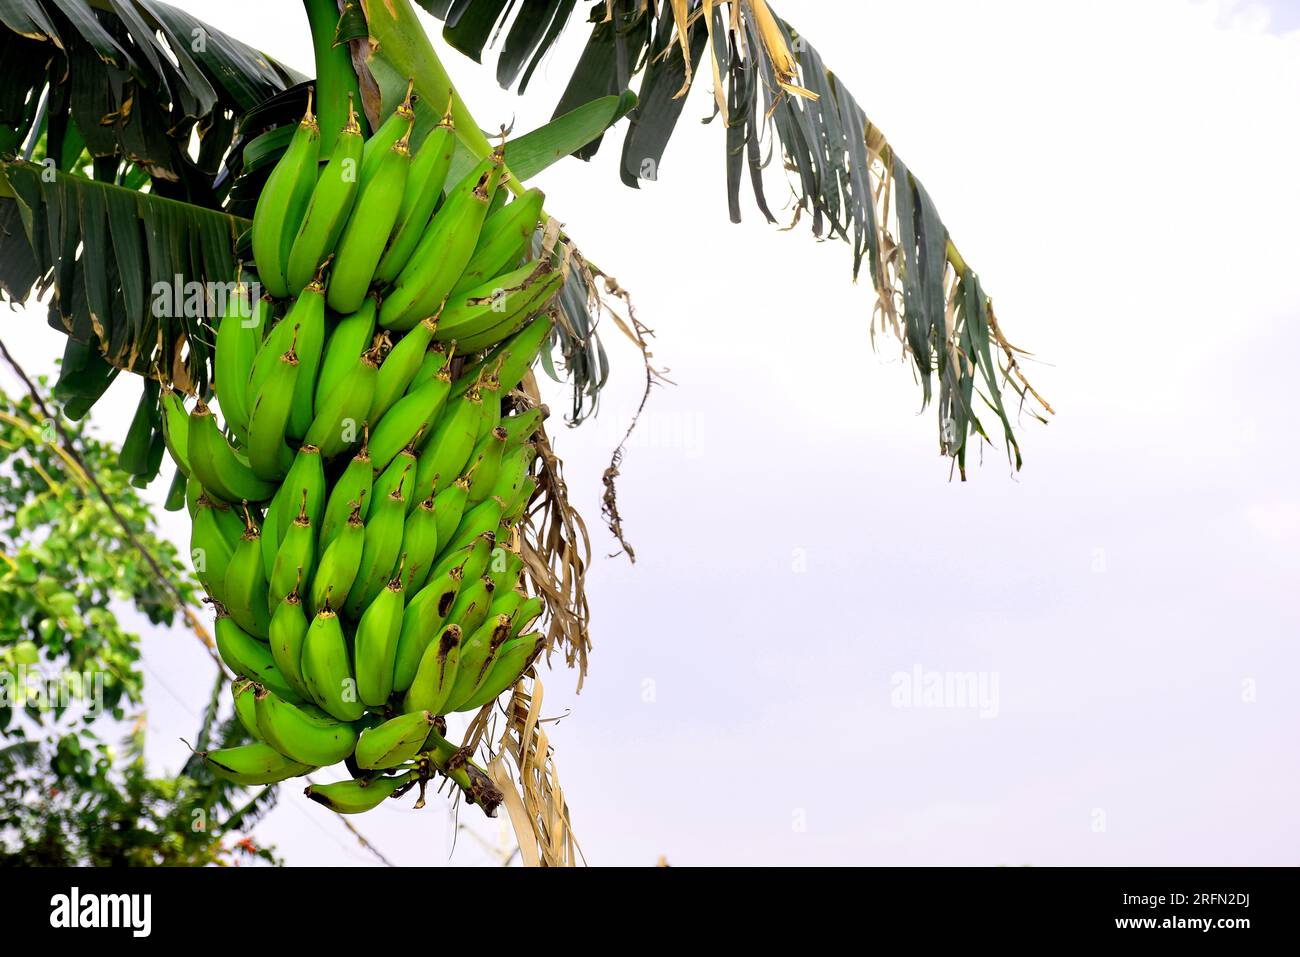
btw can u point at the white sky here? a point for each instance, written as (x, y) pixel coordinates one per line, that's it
(1122, 176)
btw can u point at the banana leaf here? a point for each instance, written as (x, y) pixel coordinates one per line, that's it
(778, 101)
(112, 259)
(107, 97)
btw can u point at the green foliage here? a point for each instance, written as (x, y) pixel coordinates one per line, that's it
(70, 674)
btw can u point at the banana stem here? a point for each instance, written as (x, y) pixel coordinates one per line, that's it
(456, 765)
(336, 80)
(396, 30)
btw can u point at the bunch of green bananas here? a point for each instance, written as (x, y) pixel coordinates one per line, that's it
(355, 515)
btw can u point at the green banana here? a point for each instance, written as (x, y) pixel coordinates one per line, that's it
(473, 558)
(282, 203)
(286, 633)
(515, 657)
(268, 455)
(339, 562)
(383, 546)
(447, 450)
(472, 604)
(193, 487)
(175, 499)
(176, 428)
(394, 742)
(520, 350)
(331, 202)
(487, 455)
(434, 361)
(444, 248)
(231, 525)
(376, 644)
(436, 674)
(512, 358)
(242, 690)
(239, 338)
(295, 560)
(522, 426)
(490, 410)
(504, 569)
(362, 244)
(484, 304)
(303, 732)
(515, 507)
(219, 468)
(512, 515)
(515, 468)
(529, 610)
(506, 601)
(410, 417)
(305, 483)
(400, 366)
(210, 549)
(523, 312)
(254, 764)
(449, 508)
(507, 233)
(351, 490)
(419, 545)
(424, 614)
(504, 301)
(246, 656)
(351, 337)
(483, 517)
(279, 338)
(271, 538)
(477, 655)
(308, 311)
(354, 797)
(398, 476)
(341, 419)
(246, 584)
(326, 669)
(388, 133)
(423, 190)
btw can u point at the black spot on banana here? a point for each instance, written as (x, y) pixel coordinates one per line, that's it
(422, 620)
(436, 674)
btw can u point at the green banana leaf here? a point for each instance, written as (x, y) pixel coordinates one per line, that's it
(108, 96)
(112, 256)
(527, 154)
(839, 166)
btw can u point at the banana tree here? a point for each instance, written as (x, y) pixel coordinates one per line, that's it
(135, 142)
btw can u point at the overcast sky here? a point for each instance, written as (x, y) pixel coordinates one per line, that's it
(1123, 177)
